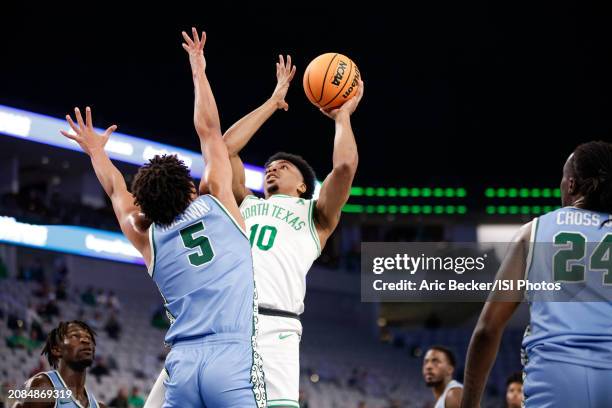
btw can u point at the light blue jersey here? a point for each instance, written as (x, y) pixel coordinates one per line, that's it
(203, 268)
(573, 247)
(569, 342)
(68, 402)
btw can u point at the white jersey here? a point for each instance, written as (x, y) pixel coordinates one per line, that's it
(441, 402)
(285, 243)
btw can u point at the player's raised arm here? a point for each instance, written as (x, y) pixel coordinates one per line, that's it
(336, 188)
(241, 132)
(217, 178)
(127, 212)
(495, 314)
(237, 136)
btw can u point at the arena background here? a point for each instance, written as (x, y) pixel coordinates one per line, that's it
(469, 113)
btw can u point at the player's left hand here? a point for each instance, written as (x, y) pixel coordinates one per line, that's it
(84, 134)
(195, 48)
(285, 71)
(348, 107)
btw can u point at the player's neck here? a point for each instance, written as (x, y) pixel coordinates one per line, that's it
(438, 390)
(279, 193)
(74, 379)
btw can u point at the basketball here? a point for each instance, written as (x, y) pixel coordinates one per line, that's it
(330, 80)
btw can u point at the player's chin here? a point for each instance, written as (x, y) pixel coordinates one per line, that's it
(272, 188)
(86, 361)
(431, 382)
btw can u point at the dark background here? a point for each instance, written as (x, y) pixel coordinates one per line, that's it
(456, 94)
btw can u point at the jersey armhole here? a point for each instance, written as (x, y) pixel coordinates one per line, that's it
(532, 240)
(311, 225)
(231, 217)
(151, 268)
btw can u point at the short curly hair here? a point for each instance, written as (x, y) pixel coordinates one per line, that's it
(163, 188)
(592, 167)
(308, 174)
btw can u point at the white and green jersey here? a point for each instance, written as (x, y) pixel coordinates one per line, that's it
(285, 243)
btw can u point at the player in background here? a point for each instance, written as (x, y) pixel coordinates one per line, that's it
(514, 391)
(568, 344)
(70, 349)
(438, 370)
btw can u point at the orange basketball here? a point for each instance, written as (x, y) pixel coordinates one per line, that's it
(330, 80)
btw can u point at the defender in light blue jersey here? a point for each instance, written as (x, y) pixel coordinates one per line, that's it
(568, 345)
(70, 349)
(196, 251)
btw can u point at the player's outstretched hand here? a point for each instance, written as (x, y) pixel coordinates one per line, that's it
(84, 133)
(285, 72)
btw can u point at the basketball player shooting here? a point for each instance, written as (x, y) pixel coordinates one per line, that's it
(287, 231)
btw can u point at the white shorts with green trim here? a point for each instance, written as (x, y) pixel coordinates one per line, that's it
(279, 346)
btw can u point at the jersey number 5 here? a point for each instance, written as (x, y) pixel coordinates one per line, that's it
(193, 239)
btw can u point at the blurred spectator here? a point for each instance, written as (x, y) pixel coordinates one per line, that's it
(95, 322)
(31, 316)
(61, 291)
(43, 291)
(112, 327)
(101, 298)
(50, 310)
(120, 400)
(19, 340)
(394, 404)
(361, 404)
(100, 368)
(111, 363)
(303, 400)
(37, 335)
(136, 400)
(113, 301)
(60, 271)
(13, 322)
(514, 391)
(88, 297)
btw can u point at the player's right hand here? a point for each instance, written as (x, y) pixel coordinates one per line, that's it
(84, 134)
(285, 72)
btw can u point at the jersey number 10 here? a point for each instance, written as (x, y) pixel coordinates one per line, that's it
(265, 236)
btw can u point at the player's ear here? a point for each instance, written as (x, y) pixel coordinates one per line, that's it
(572, 186)
(56, 351)
(301, 188)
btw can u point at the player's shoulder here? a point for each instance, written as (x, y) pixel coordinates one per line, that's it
(525, 231)
(453, 396)
(251, 197)
(40, 380)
